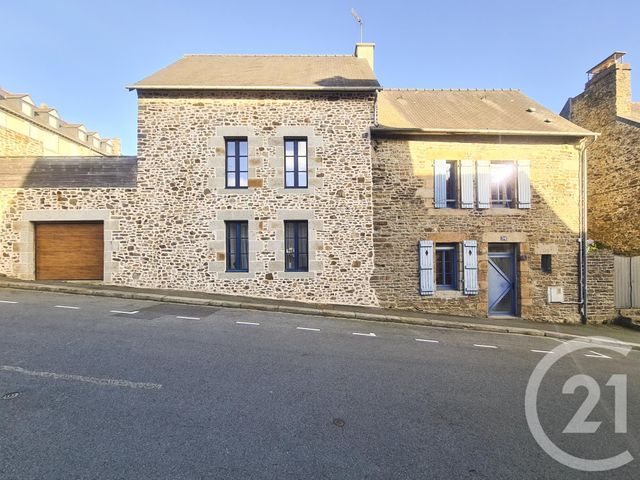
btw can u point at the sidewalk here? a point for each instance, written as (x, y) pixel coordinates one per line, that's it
(496, 325)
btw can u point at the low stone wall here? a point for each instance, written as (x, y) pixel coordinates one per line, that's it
(600, 295)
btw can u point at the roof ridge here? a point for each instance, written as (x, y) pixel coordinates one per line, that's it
(264, 55)
(451, 89)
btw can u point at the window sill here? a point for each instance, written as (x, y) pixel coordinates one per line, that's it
(449, 294)
(485, 211)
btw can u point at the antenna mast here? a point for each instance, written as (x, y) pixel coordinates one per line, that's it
(359, 20)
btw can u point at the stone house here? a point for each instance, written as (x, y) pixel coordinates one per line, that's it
(489, 180)
(605, 106)
(300, 178)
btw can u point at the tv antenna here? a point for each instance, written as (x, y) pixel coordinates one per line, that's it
(358, 19)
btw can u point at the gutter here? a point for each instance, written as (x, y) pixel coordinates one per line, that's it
(582, 257)
(254, 88)
(470, 131)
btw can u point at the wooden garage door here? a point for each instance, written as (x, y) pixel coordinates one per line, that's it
(69, 251)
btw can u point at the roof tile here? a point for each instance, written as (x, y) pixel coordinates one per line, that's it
(343, 72)
(477, 111)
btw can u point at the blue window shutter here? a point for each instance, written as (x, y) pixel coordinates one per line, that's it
(484, 183)
(470, 256)
(440, 177)
(425, 252)
(466, 183)
(524, 184)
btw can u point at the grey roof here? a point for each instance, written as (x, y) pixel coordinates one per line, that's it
(69, 172)
(507, 112)
(263, 72)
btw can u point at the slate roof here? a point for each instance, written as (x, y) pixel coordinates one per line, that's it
(507, 112)
(263, 72)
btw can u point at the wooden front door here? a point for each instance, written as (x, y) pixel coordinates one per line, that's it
(69, 251)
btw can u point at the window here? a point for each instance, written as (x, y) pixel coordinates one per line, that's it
(237, 246)
(545, 263)
(502, 181)
(452, 184)
(237, 163)
(295, 162)
(446, 266)
(296, 246)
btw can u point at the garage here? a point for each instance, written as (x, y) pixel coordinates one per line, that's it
(69, 250)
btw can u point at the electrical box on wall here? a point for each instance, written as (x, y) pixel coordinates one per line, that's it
(556, 294)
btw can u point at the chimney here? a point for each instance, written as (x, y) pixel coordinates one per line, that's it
(612, 79)
(116, 146)
(365, 50)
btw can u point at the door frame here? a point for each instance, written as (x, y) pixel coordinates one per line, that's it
(26, 268)
(513, 255)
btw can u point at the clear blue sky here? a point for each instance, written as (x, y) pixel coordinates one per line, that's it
(77, 56)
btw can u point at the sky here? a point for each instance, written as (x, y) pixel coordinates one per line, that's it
(77, 56)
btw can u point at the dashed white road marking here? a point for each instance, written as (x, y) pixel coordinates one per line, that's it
(308, 329)
(67, 306)
(111, 382)
(427, 340)
(7, 301)
(479, 345)
(596, 355)
(124, 313)
(188, 318)
(370, 334)
(541, 351)
(248, 323)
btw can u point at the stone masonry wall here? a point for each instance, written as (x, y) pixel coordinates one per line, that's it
(181, 202)
(614, 159)
(600, 290)
(404, 213)
(20, 207)
(169, 231)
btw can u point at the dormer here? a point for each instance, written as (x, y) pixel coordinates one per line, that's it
(75, 130)
(94, 140)
(107, 146)
(47, 116)
(19, 102)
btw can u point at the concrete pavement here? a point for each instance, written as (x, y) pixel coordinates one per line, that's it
(123, 388)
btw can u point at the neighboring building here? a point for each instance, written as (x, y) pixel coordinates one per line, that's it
(490, 179)
(296, 177)
(606, 107)
(29, 130)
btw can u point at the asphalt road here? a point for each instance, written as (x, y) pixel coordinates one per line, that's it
(111, 388)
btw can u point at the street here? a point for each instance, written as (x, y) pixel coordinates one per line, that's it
(113, 388)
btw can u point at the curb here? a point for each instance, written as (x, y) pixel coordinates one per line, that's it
(367, 316)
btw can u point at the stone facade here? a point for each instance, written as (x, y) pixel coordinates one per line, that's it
(368, 203)
(20, 208)
(404, 213)
(169, 231)
(605, 107)
(180, 234)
